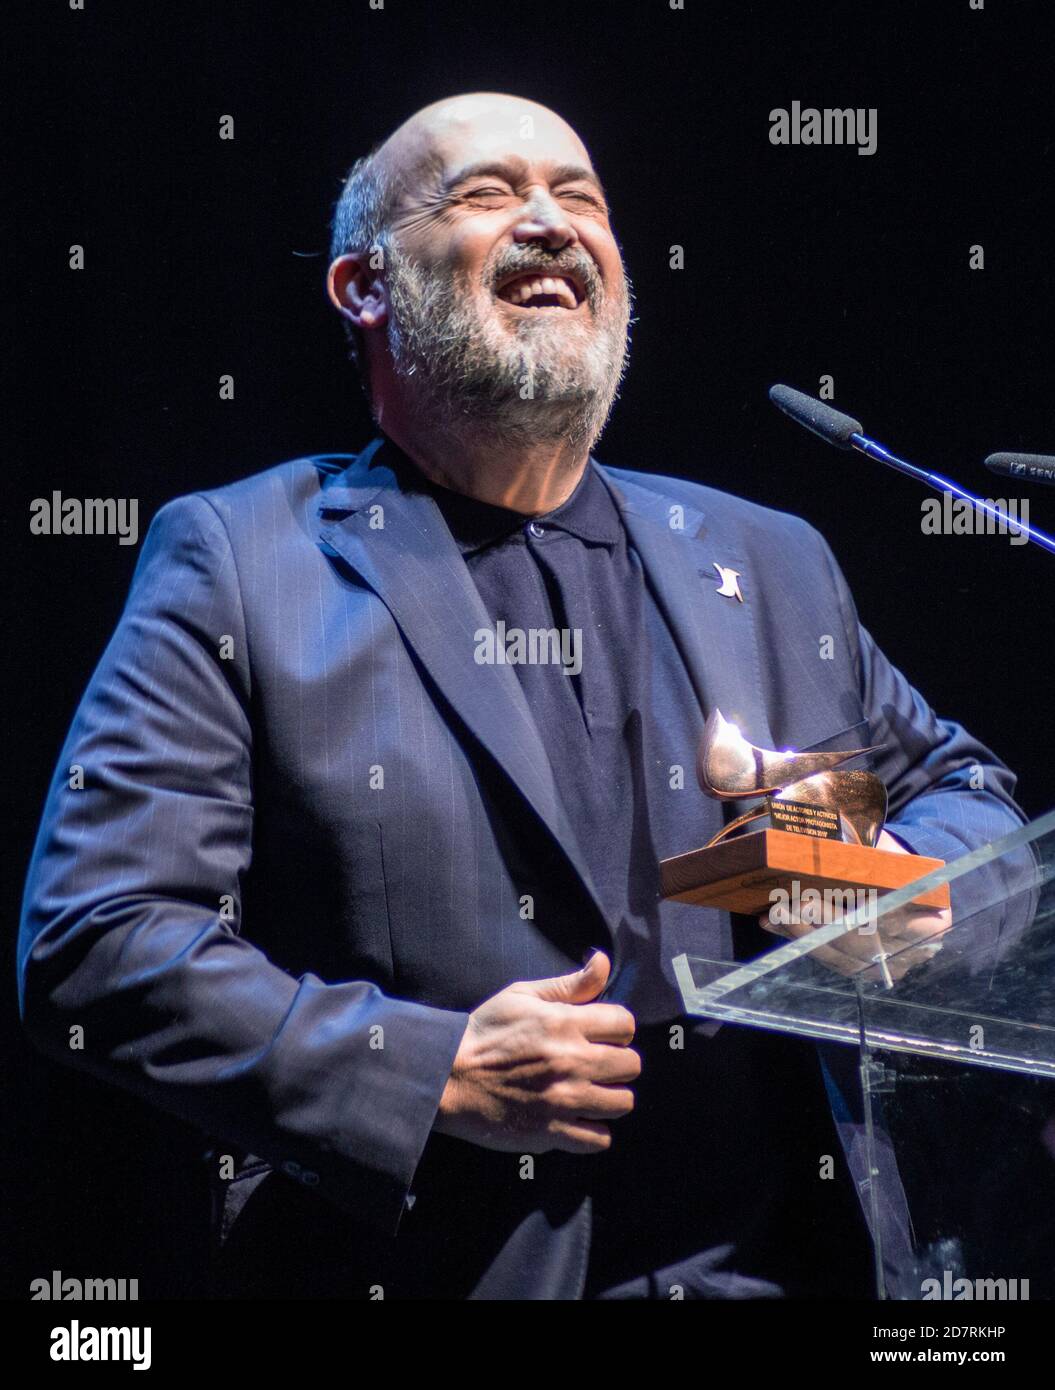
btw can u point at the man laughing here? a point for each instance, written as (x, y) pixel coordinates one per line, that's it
(382, 918)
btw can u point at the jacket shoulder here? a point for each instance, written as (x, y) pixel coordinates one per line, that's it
(299, 480)
(268, 502)
(721, 508)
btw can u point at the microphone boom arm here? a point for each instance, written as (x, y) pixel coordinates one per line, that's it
(869, 447)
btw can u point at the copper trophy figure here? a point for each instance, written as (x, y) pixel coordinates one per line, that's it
(825, 822)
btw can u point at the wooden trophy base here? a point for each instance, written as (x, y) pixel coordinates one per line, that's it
(741, 873)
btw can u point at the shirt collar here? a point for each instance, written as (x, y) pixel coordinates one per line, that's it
(590, 513)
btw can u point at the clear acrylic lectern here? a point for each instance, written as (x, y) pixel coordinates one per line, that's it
(955, 1063)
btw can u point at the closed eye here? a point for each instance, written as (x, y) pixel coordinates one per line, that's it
(490, 191)
(582, 195)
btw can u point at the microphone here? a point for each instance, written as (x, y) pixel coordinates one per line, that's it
(818, 418)
(1035, 468)
(846, 433)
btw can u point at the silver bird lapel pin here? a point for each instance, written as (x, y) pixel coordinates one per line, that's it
(730, 585)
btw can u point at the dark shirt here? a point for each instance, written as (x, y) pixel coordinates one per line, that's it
(727, 1132)
(573, 572)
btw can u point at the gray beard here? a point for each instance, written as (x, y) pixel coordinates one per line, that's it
(474, 378)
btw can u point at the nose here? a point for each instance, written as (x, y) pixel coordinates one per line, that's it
(543, 219)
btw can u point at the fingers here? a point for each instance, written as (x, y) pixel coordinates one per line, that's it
(577, 987)
(605, 1103)
(582, 1137)
(914, 928)
(839, 961)
(605, 1023)
(859, 952)
(612, 1066)
(910, 926)
(547, 1066)
(894, 938)
(586, 1131)
(772, 925)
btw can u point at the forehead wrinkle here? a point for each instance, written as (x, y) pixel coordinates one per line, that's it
(418, 157)
(501, 166)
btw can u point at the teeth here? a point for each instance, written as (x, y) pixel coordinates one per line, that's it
(522, 290)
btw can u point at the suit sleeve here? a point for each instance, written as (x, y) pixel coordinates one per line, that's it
(132, 961)
(948, 793)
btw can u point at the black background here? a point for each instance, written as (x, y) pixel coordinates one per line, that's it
(207, 257)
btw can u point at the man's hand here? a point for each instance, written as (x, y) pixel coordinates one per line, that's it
(540, 1067)
(906, 938)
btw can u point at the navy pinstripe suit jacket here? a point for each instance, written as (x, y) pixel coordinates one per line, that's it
(308, 818)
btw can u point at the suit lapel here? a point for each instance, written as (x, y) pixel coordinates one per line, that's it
(715, 633)
(399, 544)
(413, 565)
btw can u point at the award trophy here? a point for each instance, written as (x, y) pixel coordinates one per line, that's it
(824, 824)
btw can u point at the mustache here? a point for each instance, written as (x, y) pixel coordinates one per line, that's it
(557, 263)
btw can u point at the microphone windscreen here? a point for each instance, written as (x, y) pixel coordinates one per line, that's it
(830, 424)
(1034, 468)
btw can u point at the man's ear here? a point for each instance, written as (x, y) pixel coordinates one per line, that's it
(357, 290)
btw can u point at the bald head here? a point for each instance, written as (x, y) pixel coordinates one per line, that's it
(490, 123)
(426, 149)
(475, 265)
